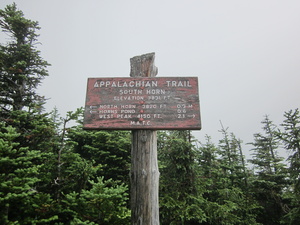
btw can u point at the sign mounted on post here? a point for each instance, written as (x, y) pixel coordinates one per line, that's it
(157, 103)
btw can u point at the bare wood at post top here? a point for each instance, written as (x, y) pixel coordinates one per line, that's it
(144, 166)
(143, 66)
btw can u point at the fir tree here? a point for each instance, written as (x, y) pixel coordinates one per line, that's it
(230, 202)
(232, 159)
(108, 149)
(270, 173)
(19, 180)
(104, 203)
(21, 66)
(290, 137)
(180, 191)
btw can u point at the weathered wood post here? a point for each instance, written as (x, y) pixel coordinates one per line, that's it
(143, 103)
(144, 173)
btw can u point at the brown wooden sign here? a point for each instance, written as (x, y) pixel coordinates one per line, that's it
(158, 103)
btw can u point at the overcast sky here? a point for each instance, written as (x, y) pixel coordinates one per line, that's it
(245, 53)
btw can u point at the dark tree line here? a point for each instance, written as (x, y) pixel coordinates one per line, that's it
(54, 173)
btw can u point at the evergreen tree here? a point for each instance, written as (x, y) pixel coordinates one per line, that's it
(291, 140)
(21, 71)
(226, 201)
(180, 192)
(207, 159)
(290, 137)
(108, 149)
(104, 203)
(76, 169)
(21, 66)
(232, 160)
(270, 175)
(265, 145)
(20, 198)
(70, 171)
(42, 169)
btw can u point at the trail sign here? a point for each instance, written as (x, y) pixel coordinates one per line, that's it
(143, 103)
(157, 103)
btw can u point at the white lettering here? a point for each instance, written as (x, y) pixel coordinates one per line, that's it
(124, 116)
(156, 92)
(180, 83)
(128, 106)
(127, 111)
(108, 111)
(129, 98)
(108, 106)
(106, 116)
(130, 92)
(132, 84)
(141, 123)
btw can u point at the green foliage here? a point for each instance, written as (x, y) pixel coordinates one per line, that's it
(290, 137)
(21, 66)
(104, 203)
(44, 178)
(265, 149)
(227, 200)
(67, 170)
(35, 130)
(180, 197)
(232, 206)
(54, 173)
(232, 160)
(19, 177)
(270, 177)
(110, 149)
(207, 158)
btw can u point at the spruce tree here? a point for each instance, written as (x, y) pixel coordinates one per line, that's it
(104, 203)
(232, 159)
(228, 199)
(180, 190)
(22, 69)
(109, 150)
(21, 66)
(207, 159)
(290, 137)
(269, 181)
(20, 169)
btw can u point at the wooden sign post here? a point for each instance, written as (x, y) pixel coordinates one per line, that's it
(143, 103)
(144, 173)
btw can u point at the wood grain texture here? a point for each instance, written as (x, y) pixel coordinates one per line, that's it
(144, 167)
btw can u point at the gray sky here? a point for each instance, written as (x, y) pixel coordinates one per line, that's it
(245, 53)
